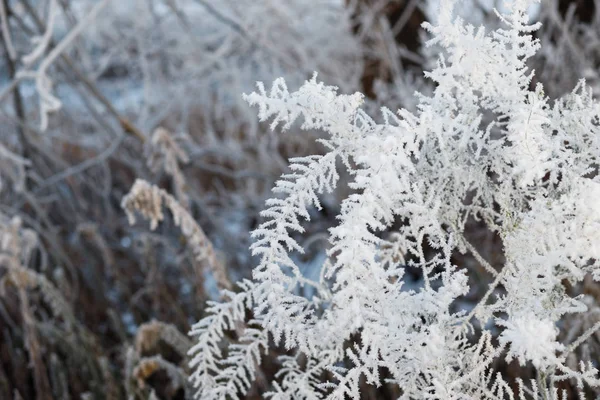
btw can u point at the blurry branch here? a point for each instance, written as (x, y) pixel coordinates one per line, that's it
(248, 36)
(48, 102)
(91, 233)
(13, 166)
(14, 88)
(79, 168)
(44, 42)
(72, 20)
(57, 51)
(563, 23)
(180, 15)
(228, 173)
(11, 86)
(6, 37)
(224, 19)
(405, 17)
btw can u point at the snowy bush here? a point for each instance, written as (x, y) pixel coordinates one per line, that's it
(485, 145)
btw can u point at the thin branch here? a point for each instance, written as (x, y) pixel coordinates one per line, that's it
(12, 72)
(12, 54)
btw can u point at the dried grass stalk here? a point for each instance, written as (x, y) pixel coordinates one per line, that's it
(24, 278)
(150, 333)
(148, 200)
(40, 374)
(166, 154)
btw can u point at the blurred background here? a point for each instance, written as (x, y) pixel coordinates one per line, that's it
(97, 93)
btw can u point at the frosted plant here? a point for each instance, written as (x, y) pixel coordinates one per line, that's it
(483, 145)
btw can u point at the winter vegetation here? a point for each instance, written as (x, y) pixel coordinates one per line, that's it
(309, 199)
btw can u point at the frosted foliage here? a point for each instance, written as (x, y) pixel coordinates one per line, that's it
(484, 145)
(531, 338)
